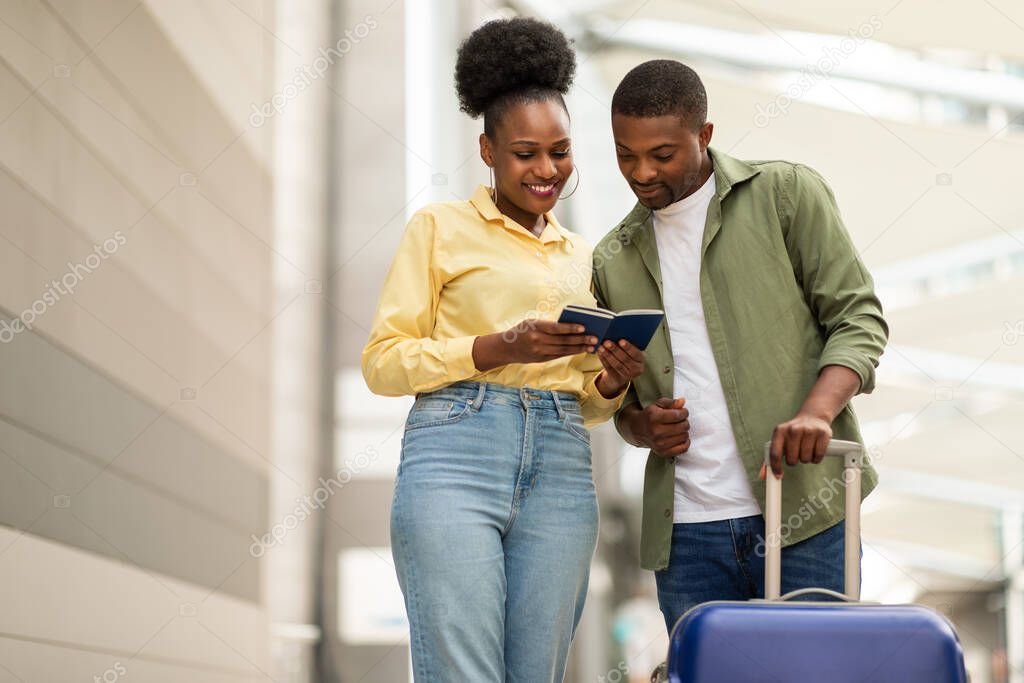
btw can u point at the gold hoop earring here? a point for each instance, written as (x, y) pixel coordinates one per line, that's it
(576, 186)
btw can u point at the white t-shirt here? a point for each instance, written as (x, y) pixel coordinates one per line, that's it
(711, 483)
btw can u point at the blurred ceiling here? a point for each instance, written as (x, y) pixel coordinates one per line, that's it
(928, 186)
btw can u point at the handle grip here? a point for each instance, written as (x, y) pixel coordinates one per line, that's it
(852, 454)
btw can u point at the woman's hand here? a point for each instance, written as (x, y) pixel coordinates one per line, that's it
(531, 341)
(622, 362)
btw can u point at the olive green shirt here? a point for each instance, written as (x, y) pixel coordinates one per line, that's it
(784, 294)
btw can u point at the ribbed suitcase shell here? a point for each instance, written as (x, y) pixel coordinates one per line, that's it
(830, 642)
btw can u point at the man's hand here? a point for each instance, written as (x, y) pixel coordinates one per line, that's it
(663, 426)
(802, 439)
(806, 436)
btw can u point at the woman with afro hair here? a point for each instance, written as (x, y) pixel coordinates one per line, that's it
(494, 517)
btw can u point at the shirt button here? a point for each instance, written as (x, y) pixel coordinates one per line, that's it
(668, 512)
(667, 369)
(537, 253)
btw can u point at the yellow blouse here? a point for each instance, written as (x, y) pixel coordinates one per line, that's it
(463, 269)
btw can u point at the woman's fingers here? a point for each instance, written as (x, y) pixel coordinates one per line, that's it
(612, 361)
(551, 351)
(631, 362)
(571, 340)
(633, 352)
(552, 327)
(548, 340)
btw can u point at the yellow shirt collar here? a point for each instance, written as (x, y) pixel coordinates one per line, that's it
(481, 199)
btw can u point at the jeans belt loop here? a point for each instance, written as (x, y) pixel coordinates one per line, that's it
(558, 405)
(478, 401)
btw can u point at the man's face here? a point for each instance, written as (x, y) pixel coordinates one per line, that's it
(660, 156)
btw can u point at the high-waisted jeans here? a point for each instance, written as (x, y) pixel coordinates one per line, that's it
(493, 527)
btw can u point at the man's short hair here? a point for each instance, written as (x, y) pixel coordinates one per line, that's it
(661, 87)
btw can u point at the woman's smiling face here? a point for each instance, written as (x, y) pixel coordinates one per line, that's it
(531, 155)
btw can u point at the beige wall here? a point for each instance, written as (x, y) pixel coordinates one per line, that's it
(134, 413)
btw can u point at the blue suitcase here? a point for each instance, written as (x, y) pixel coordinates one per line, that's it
(776, 641)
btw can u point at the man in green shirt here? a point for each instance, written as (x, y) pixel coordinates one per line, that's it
(772, 326)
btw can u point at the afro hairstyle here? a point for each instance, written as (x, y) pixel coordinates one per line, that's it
(512, 61)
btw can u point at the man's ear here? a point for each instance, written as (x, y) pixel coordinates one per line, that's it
(486, 153)
(705, 135)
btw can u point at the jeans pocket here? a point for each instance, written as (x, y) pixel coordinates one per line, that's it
(574, 425)
(435, 412)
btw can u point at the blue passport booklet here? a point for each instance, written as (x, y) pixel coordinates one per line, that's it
(635, 326)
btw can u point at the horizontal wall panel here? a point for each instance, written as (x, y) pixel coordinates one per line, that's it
(141, 484)
(92, 611)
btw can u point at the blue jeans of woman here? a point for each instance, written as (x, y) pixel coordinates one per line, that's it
(493, 527)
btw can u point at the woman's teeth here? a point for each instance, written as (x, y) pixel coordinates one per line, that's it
(541, 189)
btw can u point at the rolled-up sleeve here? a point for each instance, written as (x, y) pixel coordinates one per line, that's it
(836, 285)
(400, 357)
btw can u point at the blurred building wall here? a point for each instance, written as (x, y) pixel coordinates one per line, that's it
(387, 170)
(134, 301)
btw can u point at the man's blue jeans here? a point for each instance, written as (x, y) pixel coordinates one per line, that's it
(493, 527)
(724, 560)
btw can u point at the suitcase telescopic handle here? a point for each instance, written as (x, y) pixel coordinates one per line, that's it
(800, 592)
(852, 454)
